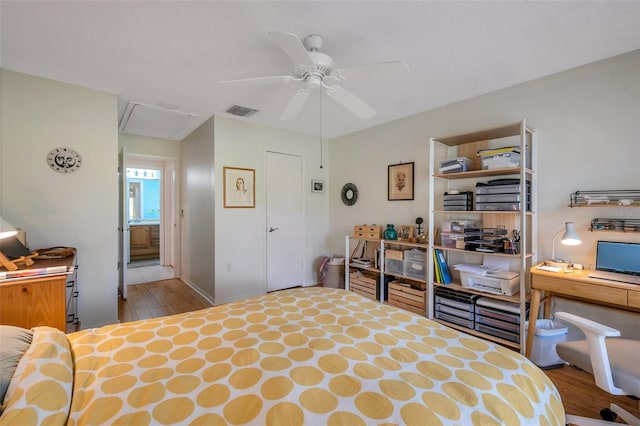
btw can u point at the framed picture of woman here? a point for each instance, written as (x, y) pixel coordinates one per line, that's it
(400, 182)
(239, 187)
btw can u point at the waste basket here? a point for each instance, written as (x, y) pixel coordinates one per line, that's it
(333, 273)
(547, 335)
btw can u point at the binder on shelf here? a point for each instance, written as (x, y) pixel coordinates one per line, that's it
(444, 269)
(437, 275)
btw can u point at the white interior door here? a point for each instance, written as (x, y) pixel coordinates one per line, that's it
(123, 224)
(285, 230)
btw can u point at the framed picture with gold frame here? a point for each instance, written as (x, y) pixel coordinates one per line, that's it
(239, 187)
(400, 182)
(405, 232)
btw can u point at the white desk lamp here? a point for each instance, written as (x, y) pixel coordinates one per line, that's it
(6, 230)
(569, 238)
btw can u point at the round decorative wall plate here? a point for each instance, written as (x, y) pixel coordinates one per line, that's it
(64, 160)
(349, 194)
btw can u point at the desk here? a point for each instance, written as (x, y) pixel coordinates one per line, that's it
(577, 286)
(42, 299)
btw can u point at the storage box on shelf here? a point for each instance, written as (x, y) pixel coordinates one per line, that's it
(372, 232)
(504, 184)
(364, 283)
(498, 318)
(403, 295)
(455, 307)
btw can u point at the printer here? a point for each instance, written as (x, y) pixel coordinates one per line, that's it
(481, 278)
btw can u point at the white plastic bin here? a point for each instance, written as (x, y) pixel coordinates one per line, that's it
(548, 334)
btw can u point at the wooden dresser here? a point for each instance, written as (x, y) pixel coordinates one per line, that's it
(41, 299)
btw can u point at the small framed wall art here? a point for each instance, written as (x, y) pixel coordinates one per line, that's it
(400, 182)
(317, 186)
(239, 187)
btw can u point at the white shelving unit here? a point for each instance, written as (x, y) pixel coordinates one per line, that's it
(524, 221)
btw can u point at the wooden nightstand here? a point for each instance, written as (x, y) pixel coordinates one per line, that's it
(41, 299)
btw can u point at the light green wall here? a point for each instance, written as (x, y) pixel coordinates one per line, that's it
(588, 129)
(240, 234)
(77, 209)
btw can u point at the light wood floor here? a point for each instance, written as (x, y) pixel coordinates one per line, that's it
(579, 393)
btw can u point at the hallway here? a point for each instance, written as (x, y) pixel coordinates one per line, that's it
(145, 274)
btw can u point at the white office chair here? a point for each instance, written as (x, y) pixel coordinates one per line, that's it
(614, 364)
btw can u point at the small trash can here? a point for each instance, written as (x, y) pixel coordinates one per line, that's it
(548, 334)
(333, 274)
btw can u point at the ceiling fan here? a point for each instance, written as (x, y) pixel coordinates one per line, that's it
(316, 70)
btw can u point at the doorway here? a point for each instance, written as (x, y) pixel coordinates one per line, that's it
(149, 210)
(285, 227)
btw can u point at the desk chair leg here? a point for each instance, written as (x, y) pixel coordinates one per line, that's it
(629, 418)
(623, 414)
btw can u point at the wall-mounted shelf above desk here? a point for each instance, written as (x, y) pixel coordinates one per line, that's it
(612, 198)
(615, 225)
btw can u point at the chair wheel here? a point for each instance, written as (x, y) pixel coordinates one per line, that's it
(608, 415)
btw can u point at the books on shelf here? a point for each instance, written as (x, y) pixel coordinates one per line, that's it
(362, 261)
(33, 272)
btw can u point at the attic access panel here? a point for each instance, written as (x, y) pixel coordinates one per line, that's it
(147, 120)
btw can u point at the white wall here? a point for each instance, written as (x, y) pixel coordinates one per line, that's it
(588, 125)
(198, 190)
(77, 209)
(588, 130)
(241, 233)
(149, 147)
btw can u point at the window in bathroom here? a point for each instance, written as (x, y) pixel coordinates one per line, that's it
(144, 194)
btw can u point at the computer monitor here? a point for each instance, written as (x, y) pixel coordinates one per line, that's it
(623, 258)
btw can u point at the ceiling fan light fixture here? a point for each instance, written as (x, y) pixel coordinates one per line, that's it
(313, 82)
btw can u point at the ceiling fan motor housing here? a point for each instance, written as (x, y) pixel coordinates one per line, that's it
(322, 66)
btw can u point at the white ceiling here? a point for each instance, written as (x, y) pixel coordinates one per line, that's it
(176, 52)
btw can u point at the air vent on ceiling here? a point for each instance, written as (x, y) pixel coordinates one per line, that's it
(147, 120)
(241, 111)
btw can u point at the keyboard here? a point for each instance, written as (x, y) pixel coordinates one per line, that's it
(615, 276)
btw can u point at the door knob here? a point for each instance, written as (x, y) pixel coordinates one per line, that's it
(273, 229)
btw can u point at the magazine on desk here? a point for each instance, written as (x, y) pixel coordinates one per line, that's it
(34, 272)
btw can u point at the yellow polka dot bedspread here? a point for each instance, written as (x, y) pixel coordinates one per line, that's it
(313, 356)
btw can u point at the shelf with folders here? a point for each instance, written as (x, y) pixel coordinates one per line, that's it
(608, 198)
(616, 225)
(508, 204)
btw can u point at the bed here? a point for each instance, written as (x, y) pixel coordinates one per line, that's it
(310, 356)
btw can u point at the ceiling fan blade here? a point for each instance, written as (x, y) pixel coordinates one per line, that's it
(295, 104)
(371, 71)
(293, 47)
(262, 80)
(350, 102)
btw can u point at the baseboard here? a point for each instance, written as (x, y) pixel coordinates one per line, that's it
(197, 290)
